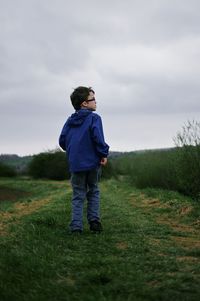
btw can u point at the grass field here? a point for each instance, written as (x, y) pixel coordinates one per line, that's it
(149, 249)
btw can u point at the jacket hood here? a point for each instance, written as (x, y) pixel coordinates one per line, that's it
(78, 117)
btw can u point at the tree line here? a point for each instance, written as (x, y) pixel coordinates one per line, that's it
(177, 168)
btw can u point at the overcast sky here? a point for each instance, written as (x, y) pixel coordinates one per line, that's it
(142, 58)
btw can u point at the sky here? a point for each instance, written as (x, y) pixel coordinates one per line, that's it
(142, 58)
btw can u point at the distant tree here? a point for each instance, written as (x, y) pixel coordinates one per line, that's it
(49, 165)
(7, 171)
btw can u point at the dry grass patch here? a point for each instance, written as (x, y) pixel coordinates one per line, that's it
(185, 210)
(154, 283)
(69, 280)
(155, 241)
(196, 223)
(154, 203)
(176, 225)
(143, 202)
(122, 245)
(188, 243)
(19, 210)
(187, 258)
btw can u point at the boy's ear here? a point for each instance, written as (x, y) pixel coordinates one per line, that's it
(84, 104)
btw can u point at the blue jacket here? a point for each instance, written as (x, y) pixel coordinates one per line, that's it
(83, 140)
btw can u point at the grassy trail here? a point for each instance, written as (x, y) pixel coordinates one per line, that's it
(149, 249)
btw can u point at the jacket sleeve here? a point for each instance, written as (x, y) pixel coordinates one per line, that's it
(101, 146)
(62, 138)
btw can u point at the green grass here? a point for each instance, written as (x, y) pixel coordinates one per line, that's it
(149, 249)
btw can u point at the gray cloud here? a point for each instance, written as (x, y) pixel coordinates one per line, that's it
(141, 57)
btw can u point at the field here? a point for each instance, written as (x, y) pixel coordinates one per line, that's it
(149, 249)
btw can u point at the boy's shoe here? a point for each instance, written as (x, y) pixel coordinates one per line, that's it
(95, 226)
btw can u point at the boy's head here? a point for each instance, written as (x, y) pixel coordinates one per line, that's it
(83, 97)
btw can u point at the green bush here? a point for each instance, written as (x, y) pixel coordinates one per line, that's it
(155, 169)
(7, 171)
(149, 168)
(188, 170)
(188, 159)
(107, 170)
(49, 165)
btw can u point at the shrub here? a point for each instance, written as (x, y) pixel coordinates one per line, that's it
(107, 170)
(155, 169)
(149, 168)
(188, 160)
(7, 171)
(50, 165)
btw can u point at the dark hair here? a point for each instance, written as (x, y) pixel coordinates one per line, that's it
(80, 95)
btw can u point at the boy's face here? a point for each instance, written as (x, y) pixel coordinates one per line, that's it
(90, 103)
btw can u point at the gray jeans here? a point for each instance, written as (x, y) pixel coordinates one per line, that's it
(85, 186)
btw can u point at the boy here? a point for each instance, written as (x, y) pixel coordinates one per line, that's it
(83, 140)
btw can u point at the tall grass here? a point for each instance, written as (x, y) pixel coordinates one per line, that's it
(188, 147)
(165, 169)
(149, 169)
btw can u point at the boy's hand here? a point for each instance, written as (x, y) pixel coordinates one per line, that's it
(104, 161)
